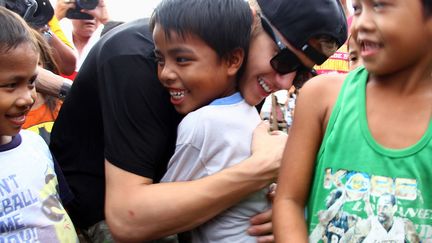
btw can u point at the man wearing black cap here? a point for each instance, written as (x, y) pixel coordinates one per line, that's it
(306, 33)
(317, 42)
(117, 125)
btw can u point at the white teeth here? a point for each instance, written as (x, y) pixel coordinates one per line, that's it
(264, 85)
(177, 94)
(20, 118)
(370, 45)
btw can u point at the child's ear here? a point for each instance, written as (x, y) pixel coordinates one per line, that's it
(235, 61)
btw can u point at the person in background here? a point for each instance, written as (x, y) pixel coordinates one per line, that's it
(44, 111)
(38, 13)
(62, 51)
(353, 54)
(369, 132)
(37, 16)
(338, 62)
(82, 33)
(30, 193)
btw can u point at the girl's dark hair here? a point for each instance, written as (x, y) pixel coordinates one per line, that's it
(14, 31)
(224, 25)
(47, 62)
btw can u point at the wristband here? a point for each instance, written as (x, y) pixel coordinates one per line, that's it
(64, 90)
(48, 35)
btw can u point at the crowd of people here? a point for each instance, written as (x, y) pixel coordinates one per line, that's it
(150, 130)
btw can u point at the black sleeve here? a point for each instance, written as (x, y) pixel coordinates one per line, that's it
(139, 121)
(64, 191)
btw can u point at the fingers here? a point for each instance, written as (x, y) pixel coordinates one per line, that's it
(266, 239)
(262, 227)
(261, 230)
(262, 218)
(277, 132)
(62, 7)
(263, 127)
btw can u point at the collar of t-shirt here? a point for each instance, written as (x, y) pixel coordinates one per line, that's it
(229, 100)
(16, 140)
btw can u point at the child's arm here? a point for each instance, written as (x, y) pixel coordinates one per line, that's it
(312, 113)
(52, 84)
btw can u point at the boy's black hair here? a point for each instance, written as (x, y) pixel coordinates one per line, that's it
(224, 25)
(14, 31)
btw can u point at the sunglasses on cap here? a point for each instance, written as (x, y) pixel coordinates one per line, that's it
(31, 8)
(285, 61)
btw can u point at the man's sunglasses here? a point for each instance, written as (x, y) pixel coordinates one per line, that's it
(285, 61)
(32, 6)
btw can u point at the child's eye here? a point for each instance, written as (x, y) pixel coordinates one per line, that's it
(182, 59)
(353, 58)
(356, 8)
(8, 86)
(378, 5)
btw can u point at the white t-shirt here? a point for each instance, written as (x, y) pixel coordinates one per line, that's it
(210, 139)
(30, 207)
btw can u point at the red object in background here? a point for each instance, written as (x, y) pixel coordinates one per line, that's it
(71, 77)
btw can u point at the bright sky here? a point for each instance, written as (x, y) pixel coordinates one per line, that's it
(126, 10)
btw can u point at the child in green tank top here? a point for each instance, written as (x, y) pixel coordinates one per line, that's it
(359, 155)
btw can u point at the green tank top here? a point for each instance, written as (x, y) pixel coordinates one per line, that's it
(354, 173)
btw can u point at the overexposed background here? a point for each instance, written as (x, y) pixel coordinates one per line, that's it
(126, 10)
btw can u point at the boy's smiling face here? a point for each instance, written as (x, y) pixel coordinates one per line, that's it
(386, 45)
(17, 90)
(192, 71)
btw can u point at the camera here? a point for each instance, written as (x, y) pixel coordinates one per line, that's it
(75, 13)
(37, 13)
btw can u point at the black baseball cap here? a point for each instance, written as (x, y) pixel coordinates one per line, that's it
(301, 21)
(37, 13)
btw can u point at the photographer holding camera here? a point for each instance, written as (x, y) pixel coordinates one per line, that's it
(87, 19)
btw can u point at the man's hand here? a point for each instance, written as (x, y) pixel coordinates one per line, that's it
(268, 148)
(262, 227)
(261, 224)
(62, 7)
(100, 13)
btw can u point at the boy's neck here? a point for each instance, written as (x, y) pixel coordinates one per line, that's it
(229, 93)
(232, 89)
(5, 139)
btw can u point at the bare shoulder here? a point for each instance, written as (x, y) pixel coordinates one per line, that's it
(322, 91)
(324, 85)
